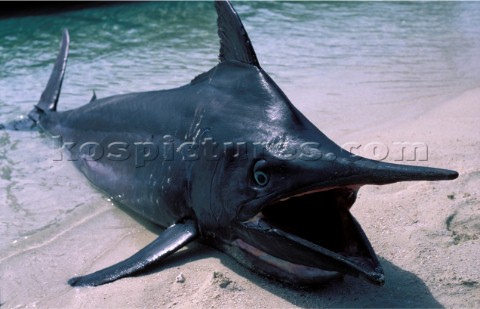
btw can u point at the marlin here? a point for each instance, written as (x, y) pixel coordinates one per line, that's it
(227, 159)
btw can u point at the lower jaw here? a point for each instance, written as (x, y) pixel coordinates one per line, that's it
(278, 269)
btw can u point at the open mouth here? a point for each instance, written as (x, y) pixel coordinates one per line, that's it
(319, 217)
(312, 233)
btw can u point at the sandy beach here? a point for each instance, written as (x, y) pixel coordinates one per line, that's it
(426, 235)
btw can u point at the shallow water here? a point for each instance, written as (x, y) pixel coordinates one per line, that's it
(347, 66)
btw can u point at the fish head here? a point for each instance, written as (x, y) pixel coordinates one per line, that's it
(288, 208)
(285, 211)
(283, 207)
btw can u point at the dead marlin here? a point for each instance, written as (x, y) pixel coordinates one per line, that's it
(281, 209)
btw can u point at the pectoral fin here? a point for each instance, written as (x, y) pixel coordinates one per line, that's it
(172, 239)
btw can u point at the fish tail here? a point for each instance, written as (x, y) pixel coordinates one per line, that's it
(49, 98)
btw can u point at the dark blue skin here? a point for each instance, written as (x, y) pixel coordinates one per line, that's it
(281, 207)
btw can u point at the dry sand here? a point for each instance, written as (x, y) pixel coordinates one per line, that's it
(425, 233)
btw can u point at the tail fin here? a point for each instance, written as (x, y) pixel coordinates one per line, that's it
(49, 98)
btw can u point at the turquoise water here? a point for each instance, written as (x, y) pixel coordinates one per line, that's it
(347, 66)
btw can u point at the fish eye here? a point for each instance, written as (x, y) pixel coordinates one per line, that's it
(259, 173)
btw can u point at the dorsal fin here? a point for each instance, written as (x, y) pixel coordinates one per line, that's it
(234, 42)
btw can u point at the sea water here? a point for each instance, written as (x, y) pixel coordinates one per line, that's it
(347, 66)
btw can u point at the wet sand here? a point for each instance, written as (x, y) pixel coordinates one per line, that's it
(426, 235)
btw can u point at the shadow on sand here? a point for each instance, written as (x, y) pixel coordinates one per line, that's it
(402, 289)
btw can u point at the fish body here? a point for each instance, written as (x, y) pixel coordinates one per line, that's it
(229, 159)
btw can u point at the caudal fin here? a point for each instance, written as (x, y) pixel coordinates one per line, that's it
(49, 98)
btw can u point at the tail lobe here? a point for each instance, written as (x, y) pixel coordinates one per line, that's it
(49, 98)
